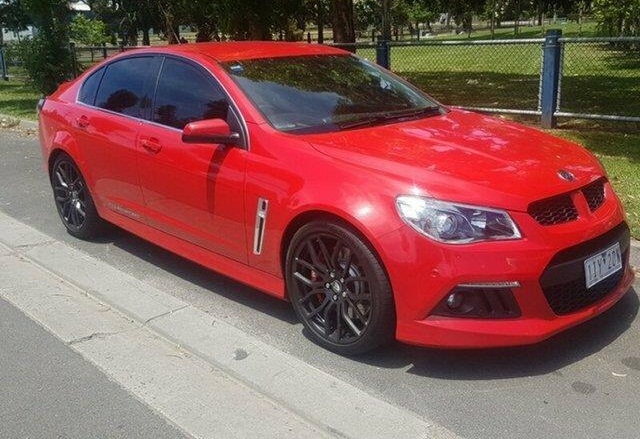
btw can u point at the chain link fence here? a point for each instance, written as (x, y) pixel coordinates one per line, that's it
(592, 78)
(10, 65)
(600, 77)
(495, 75)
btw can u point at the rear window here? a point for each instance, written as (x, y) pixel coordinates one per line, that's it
(89, 88)
(124, 85)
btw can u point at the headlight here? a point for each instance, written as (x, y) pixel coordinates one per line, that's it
(454, 223)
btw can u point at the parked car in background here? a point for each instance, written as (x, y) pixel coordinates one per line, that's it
(317, 177)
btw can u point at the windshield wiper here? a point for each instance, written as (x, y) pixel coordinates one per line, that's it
(385, 117)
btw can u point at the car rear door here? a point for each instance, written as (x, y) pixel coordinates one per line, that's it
(112, 102)
(192, 191)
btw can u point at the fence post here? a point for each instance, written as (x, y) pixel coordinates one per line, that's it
(550, 77)
(3, 64)
(309, 37)
(74, 58)
(383, 53)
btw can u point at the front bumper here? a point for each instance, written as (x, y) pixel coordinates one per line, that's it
(423, 272)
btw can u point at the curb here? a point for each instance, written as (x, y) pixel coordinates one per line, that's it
(335, 407)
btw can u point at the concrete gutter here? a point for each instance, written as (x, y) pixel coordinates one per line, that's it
(309, 401)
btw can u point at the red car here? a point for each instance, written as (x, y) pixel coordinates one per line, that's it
(317, 177)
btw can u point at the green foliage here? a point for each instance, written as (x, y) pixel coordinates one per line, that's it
(618, 17)
(12, 16)
(88, 31)
(46, 62)
(47, 58)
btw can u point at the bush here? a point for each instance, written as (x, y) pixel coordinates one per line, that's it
(47, 61)
(46, 57)
(88, 32)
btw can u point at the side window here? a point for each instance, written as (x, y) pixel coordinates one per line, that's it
(89, 88)
(123, 87)
(184, 95)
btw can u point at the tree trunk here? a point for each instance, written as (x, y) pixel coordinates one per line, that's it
(320, 22)
(205, 32)
(517, 25)
(342, 20)
(146, 40)
(386, 19)
(170, 31)
(493, 18)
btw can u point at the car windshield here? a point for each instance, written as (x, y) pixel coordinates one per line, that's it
(310, 94)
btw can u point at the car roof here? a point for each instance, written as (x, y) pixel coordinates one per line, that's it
(244, 50)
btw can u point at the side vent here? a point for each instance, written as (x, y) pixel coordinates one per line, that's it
(261, 219)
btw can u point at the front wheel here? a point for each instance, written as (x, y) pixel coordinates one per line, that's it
(339, 289)
(73, 200)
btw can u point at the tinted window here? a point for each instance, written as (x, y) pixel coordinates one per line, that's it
(185, 94)
(90, 87)
(123, 86)
(325, 92)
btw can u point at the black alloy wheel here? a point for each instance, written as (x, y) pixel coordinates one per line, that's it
(73, 200)
(339, 289)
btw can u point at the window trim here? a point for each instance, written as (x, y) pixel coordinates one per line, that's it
(209, 77)
(232, 103)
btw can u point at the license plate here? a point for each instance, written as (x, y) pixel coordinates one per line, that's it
(602, 265)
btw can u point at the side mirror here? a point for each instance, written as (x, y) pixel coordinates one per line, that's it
(210, 131)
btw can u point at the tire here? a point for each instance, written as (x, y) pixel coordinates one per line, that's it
(73, 199)
(339, 289)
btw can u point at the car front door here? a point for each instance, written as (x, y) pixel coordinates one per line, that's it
(192, 191)
(111, 104)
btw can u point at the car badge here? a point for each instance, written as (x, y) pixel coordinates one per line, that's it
(566, 175)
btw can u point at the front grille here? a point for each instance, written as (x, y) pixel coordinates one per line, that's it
(594, 193)
(556, 210)
(563, 281)
(560, 209)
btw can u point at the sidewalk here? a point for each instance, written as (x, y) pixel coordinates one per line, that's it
(205, 376)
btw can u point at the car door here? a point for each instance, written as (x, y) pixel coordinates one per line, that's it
(192, 191)
(111, 103)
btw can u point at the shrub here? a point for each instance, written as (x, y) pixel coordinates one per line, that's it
(47, 61)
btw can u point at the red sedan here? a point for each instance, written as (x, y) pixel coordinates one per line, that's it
(317, 177)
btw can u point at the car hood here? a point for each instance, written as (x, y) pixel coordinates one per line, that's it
(466, 157)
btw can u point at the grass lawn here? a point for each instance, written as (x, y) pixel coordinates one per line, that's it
(18, 99)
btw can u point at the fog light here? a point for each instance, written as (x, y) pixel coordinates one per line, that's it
(479, 303)
(454, 300)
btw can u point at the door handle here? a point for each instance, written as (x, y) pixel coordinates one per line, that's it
(82, 121)
(151, 145)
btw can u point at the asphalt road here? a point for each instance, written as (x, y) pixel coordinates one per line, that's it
(583, 383)
(49, 391)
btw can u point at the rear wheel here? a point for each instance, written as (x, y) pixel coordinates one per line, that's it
(73, 200)
(339, 289)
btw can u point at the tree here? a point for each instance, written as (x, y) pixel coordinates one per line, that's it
(12, 17)
(88, 31)
(386, 19)
(342, 21)
(618, 17)
(47, 59)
